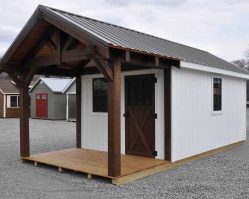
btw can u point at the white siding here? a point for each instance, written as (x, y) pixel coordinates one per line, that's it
(195, 128)
(94, 125)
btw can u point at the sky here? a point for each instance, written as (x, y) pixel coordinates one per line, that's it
(220, 27)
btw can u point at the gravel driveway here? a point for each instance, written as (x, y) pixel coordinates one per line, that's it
(225, 175)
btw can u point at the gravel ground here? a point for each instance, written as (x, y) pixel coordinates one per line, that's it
(224, 175)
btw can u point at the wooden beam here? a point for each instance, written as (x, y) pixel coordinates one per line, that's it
(16, 79)
(140, 59)
(167, 114)
(51, 44)
(105, 69)
(56, 71)
(33, 51)
(144, 65)
(114, 95)
(78, 111)
(30, 76)
(67, 43)
(43, 61)
(24, 120)
(127, 56)
(157, 63)
(81, 35)
(11, 68)
(78, 54)
(58, 48)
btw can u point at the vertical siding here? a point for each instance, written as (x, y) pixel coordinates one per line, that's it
(71, 106)
(94, 132)
(59, 107)
(195, 128)
(1, 105)
(94, 125)
(72, 89)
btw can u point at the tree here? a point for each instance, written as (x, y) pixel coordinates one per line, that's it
(243, 62)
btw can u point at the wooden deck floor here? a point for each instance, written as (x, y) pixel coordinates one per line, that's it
(94, 163)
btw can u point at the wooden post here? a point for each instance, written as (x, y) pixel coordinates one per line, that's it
(78, 111)
(167, 113)
(114, 94)
(24, 121)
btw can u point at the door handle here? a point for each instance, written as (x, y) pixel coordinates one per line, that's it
(126, 115)
(154, 116)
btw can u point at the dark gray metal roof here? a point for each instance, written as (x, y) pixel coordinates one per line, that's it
(116, 36)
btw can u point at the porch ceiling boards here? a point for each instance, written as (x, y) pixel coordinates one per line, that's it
(95, 163)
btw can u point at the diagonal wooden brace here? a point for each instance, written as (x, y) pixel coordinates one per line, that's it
(105, 69)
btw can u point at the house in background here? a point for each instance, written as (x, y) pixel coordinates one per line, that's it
(47, 100)
(70, 92)
(9, 99)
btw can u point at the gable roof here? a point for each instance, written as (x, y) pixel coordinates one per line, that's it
(123, 38)
(67, 88)
(8, 87)
(56, 85)
(120, 37)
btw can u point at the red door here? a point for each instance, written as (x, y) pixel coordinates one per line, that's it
(42, 105)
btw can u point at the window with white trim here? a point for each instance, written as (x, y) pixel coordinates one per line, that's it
(217, 94)
(13, 101)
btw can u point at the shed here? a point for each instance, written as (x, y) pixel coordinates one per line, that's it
(9, 99)
(70, 92)
(144, 104)
(47, 98)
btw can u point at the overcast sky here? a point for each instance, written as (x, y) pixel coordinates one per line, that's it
(218, 26)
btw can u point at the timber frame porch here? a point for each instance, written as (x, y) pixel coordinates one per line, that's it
(50, 45)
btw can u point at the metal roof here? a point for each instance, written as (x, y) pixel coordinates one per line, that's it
(56, 85)
(71, 83)
(120, 37)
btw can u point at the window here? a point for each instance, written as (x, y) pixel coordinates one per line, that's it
(99, 95)
(13, 101)
(217, 94)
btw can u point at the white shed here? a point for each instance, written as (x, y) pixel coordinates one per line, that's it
(136, 95)
(70, 92)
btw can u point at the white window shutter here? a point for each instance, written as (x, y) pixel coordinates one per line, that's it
(8, 101)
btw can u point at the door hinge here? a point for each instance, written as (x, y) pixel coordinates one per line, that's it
(126, 115)
(154, 153)
(154, 116)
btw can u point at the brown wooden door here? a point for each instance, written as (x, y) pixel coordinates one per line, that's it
(140, 115)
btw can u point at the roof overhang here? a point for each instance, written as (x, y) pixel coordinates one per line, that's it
(69, 86)
(209, 69)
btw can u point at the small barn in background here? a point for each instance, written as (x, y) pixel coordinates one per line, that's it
(47, 100)
(9, 99)
(70, 92)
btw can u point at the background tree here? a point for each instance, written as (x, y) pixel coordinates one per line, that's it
(3, 75)
(243, 62)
